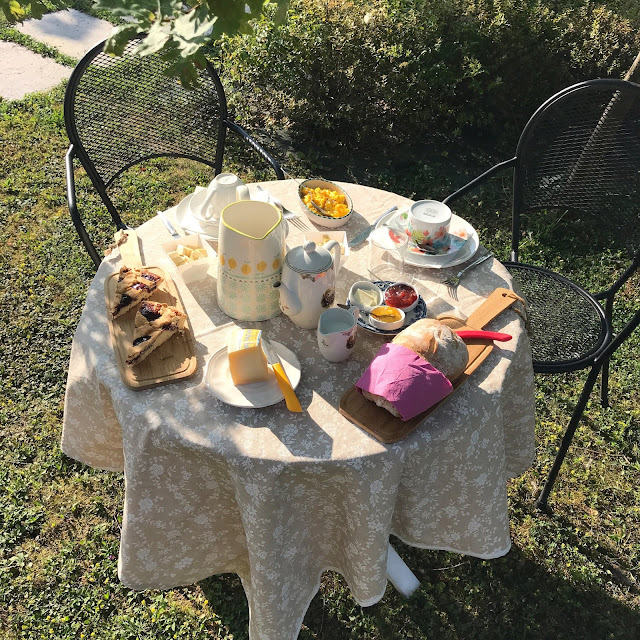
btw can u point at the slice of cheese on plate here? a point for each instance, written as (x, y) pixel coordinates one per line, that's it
(247, 361)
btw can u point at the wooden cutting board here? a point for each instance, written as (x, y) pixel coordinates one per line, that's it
(174, 360)
(386, 427)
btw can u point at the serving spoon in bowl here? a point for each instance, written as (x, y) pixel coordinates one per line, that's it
(313, 202)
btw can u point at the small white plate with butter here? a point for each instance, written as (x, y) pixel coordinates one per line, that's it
(257, 394)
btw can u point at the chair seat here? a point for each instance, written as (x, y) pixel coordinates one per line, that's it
(568, 325)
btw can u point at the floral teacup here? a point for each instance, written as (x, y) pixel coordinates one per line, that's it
(429, 223)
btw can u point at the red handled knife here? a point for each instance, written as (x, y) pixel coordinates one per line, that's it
(483, 335)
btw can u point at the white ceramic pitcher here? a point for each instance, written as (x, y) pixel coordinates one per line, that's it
(250, 257)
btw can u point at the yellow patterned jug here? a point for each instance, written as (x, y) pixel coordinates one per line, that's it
(250, 257)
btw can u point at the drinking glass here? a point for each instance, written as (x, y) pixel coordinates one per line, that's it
(387, 248)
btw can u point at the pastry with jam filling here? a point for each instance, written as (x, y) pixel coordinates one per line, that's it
(156, 322)
(134, 286)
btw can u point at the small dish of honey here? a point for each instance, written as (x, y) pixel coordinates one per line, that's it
(386, 317)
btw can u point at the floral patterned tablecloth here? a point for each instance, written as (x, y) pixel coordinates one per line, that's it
(278, 497)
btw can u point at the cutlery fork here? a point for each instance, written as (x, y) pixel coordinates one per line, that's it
(453, 281)
(296, 219)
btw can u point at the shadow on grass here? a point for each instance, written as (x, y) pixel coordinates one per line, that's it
(227, 598)
(460, 598)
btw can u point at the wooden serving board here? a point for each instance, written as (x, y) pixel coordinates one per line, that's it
(386, 427)
(174, 360)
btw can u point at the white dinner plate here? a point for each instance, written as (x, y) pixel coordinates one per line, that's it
(256, 394)
(459, 227)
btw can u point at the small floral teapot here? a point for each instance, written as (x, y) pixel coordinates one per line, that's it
(308, 284)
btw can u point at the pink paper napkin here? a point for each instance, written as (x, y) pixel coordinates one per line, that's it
(406, 380)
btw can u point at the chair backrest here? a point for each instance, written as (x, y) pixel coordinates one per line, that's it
(120, 111)
(581, 150)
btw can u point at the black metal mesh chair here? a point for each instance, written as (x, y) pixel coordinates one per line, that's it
(580, 151)
(120, 111)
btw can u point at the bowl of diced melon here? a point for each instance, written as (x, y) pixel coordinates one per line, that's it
(191, 256)
(325, 203)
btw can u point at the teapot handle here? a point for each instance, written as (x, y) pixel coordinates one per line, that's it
(330, 246)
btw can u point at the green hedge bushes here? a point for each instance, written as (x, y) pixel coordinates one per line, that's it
(370, 73)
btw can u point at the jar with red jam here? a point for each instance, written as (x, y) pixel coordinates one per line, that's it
(401, 295)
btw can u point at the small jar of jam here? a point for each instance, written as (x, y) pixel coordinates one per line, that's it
(401, 295)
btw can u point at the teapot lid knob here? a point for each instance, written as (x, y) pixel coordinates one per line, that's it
(309, 258)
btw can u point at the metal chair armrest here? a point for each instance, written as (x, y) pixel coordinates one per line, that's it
(479, 180)
(617, 285)
(236, 128)
(73, 208)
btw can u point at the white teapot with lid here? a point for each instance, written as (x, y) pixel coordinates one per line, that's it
(308, 285)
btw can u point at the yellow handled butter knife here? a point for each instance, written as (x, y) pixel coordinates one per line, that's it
(290, 398)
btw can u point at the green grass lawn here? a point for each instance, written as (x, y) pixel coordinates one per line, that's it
(573, 574)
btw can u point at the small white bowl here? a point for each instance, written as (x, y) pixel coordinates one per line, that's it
(369, 286)
(386, 326)
(319, 218)
(412, 306)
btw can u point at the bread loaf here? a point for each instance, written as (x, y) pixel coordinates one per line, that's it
(381, 402)
(416, 386)
(437, 344)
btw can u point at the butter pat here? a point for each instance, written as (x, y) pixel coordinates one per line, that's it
(184, 255)
(247, 361)
(366, 298)
(192, 256)
(197, 254)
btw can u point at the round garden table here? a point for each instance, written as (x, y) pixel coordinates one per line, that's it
(279, 497)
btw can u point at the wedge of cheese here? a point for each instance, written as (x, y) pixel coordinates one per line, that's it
(247, 361)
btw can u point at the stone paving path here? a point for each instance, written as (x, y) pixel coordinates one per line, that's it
(71, 32)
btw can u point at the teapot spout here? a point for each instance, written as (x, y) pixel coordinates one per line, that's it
(289, 301)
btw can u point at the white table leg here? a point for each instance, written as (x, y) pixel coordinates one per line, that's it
(399, 574)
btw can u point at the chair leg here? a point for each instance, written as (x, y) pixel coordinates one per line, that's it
(604, 382)
(541, 502)
(604, 385)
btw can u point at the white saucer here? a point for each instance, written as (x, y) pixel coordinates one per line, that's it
(186, 219)
(256, 394)
(458, 227)
(417, 313)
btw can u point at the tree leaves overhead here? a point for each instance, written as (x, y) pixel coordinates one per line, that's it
(178, 30)
(15, 11)
(12, 10)
(175, 29)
